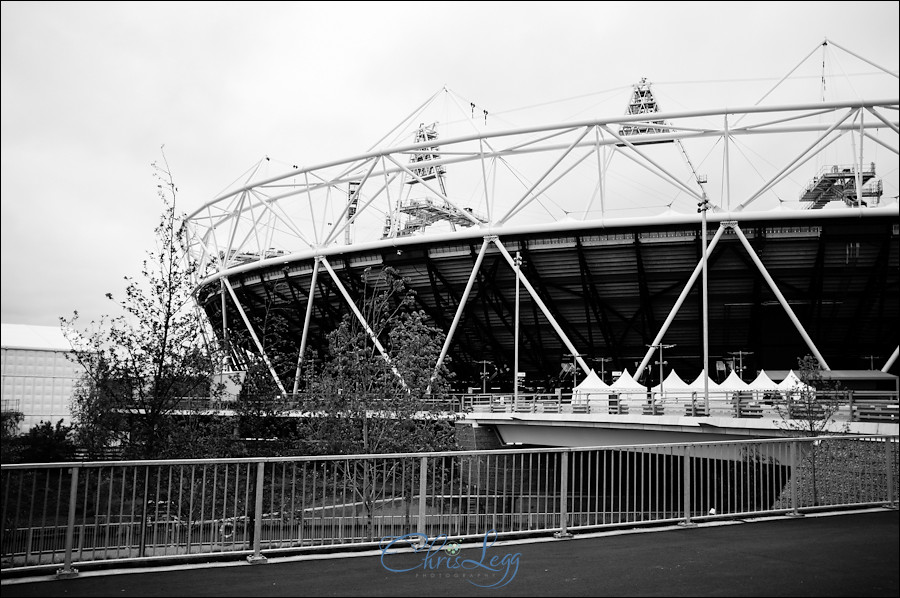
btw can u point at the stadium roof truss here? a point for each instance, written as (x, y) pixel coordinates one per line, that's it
(452, 212)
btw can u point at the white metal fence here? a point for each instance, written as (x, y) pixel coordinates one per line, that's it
(58, 515)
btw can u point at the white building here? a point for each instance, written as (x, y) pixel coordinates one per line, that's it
(38, 377)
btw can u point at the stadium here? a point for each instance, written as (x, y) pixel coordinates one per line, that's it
(708, 238)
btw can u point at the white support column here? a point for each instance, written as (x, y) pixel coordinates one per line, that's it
(891, 360)
(484, 180)
(547, 314)
(259, 346)
(857, 176)
(309, 306)
(781, 299)
(727, 181)
(226, 344)
(678, 303)
(460, 308)
(362, 319)
(705, 293)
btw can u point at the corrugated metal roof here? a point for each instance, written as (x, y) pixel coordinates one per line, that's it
(25, 336)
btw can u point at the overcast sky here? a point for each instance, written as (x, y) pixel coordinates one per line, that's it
(91, 91)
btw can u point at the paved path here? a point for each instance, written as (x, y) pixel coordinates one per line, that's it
(854, 554)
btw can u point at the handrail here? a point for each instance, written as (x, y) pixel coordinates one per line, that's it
(68, 514)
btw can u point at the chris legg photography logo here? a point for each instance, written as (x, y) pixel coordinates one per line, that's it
(441, 558)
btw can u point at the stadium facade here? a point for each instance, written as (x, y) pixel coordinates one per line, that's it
(782, 240)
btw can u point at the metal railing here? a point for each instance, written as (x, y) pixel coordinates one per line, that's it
(854, 405)
(847, 405)
(59, 515)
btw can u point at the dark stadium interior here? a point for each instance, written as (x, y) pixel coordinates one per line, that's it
(611, 290)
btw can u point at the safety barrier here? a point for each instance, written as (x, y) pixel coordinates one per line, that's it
(60, 515)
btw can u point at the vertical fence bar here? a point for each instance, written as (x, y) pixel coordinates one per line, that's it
(423, 496)
(143, 545)
(67, 571)
(686, 476)
(795, 473)
(564, 498)
(257, 558)
(889, 471)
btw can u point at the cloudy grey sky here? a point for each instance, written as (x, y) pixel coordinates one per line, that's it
(90, 91)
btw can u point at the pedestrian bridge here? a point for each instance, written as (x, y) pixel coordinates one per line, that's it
(561, 421)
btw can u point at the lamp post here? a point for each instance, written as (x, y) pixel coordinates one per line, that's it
(740, 356)
(575, 357)
(518, 262)
(702, 207)
(603, 361)
(484, 363)
(661, 364)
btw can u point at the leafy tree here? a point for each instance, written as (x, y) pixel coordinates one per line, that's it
(11, 445)
(46, 443)
(140, 365)
(363, 403)
(261, 421)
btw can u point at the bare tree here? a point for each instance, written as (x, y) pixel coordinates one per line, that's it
(141, 364)
(809, 410)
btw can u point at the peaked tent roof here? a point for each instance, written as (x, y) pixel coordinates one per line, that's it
(763, 382)
(733, 382)
(626, 382)
(792, 382)
(697, 384)
(592, 383)
(672, 383)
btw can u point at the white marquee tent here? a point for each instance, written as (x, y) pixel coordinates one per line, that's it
(631, 393)
(697, 384)
(733, 383)
(591, 388)
(763, 382)
(673, 387)
(793, 385)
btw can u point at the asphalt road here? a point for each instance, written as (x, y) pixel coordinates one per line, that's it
(852, 554)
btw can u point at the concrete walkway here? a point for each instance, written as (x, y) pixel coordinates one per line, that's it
(850, 554)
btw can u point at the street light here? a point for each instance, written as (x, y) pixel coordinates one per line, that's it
(661, 364)
(575, 357)
(603, 361)
(484, 363)
(702, 207)
(518, 267)
(740, 356)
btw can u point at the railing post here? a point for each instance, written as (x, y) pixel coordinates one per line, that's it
(563, 532)
(67, 571)
(889, 471)
(795, 473)
(423, 489)
(144, 524)
(686, 490)
(257, 558)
